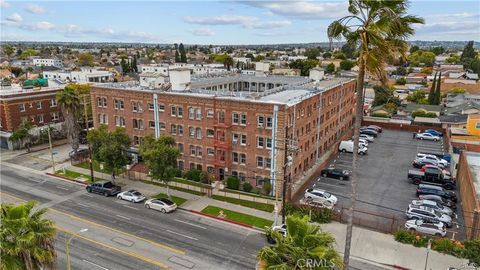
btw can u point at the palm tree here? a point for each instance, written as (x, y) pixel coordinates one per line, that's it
(379, 29)
(22, 135)
(304, 242)
(27, 239)
(69, 101)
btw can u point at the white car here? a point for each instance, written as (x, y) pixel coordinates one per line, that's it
(434, 205)
(432, 228)
(347, 146)
(320, 195)
(131, 195)
(433, 157)
(367, 137)
(163, 205)
(282, 229)
(427, 136)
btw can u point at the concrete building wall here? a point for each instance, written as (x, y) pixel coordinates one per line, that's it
(470, 201)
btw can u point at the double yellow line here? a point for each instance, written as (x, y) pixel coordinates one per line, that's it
(140, 257)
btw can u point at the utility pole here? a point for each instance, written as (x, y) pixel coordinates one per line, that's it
(286, 180)
(90, 157)
(51, 147)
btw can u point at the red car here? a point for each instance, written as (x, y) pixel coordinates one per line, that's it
(430, 166)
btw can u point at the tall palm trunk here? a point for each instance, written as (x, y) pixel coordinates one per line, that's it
(354, 176)
(72, 129)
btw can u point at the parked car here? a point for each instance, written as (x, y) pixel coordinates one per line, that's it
(335, 173)
(431, 176)
(131, 195)
(425, 227)
(445, 173)
(320, 195)
(106, 188)
(434, 132)
(439, 200)
(282, 229)
(420, 162)
(449, 195)
(427, 214)
(433, 157)
(366, 137)
(163, 205)
(376, 128)
(347, 146)
(80, 152)
(370, 132)
(427, 136)
(434, 205)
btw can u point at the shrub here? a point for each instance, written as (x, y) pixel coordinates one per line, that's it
(404, 236)
(472, 251)
(422, 113)
(401, 81)
(193, 175)
(266, 187)
(233, 182)
(382, 115)
(320, 215)
(247, 187)
(447, 246)
(457, 90)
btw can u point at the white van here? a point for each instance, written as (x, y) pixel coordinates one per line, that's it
(347, 146)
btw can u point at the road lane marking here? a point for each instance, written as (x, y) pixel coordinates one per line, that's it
(84, 205)
(60, 187)
(181, 234)
(88, 195)
(129, 253)
(178, 251)
(131, 207)
(191, 224)
(123, 217)
(94, 264)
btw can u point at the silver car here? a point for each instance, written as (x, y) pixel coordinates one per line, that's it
(163, 205)
(434, 205)
(427, 214)
(131, 195)
(432, 228)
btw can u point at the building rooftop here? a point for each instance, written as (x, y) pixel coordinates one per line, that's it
(16, 89)
(474, 164)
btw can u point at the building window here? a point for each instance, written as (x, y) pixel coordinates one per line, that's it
(268, 163)
(477, 125)
(181, 165)
(40, 118)
(210, 170)
(198, 114)
(235, 118)
(191, 132)
(210, 151)
(119, 121)
(269, 143)
(180, 148)
(151, 124)
(260, 142)
(161, 107)
(21, 107)
(137, 123)
(53, 103)
(199, 151)
(173, 111)
(180, 130)
(150, 107)
(210, 113)
(243, 119)
(39, 105)
(180, 112)
(260, 162)
(137, 140)
(235, 138)
(137, 106)
(235, 157)
(173, 129)
(242, 176)
(54, 116)
(162, 125)
(258, 180)
(118, 104)
(103, 118)
(192, 150)
(191, 113)
(269, 122)
(243, 158)
(198, 131)
(102, 102)
(243, 140)
(192, 166)
(210, 133)
(260, 120)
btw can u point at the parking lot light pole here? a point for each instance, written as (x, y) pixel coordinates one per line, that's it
(67, 246)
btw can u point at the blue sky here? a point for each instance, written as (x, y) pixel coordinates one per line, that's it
(212, 22)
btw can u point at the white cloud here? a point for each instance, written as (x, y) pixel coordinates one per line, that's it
(302, 9)
(203, 32)
(4, 4)
(73, 30)
(15, 17)
(244, 21)
(465, 26)
(38, 26)
(34, 8)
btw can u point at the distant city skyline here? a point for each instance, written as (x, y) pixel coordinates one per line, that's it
(213, 22)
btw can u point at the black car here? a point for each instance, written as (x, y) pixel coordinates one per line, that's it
(419, 163)
(78, 153)
(368, 131)
(449, 195)
(106, 188)
(335, 173)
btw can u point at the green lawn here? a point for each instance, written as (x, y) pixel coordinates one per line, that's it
(194, 192)
(239, 217)
(256, 205)
(96, 167)
(190, 182)
(178, 200)
(72, 175)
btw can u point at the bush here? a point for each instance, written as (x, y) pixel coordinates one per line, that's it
(233, 183)
(457, 90)
(266, 187)
(247, 187)
(422, 113)
(404, 236)
(320, 215)
(193, 175)
(382, 115)
(401, 81)
(447, 246)
(472, 252)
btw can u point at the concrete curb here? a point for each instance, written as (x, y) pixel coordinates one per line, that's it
(67, 179)
(221, 219)
(41, 149)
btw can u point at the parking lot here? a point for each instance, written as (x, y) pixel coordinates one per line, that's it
(383, 190)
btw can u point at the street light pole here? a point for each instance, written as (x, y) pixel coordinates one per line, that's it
(67, 247)
(51, 147)
(90, 157)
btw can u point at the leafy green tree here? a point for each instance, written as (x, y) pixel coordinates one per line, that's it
(414, 48)
(421, 56)
(183, 54)
(266, 187)
(249, 55)
(27, 238)
(418, 97)
(303, 241)
(304, 65)
(472, 252)
(233, 183)
(17, 71)
(228, 62)
(383, 94)
(259, 58)
(177, 57)
(473, 64)
(69, 101)
(330, 68)
(400, 71)
(327, 55)
(426, 70)
(346, 64)
(437, 96)
(85, 59)
(247, 187)
(349, 50)
(457, 90)
(22, 134)
(431, 94)
(381, 29)
(339, 55)
(134, 66)
(453, 59)
(312, 53)
(437, 50)
(401, 81)
(27, 53)
(160, 156)
(468, 51)
(9, 50)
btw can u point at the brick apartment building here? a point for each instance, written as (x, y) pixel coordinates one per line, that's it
(236, 124)
(17, 104)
